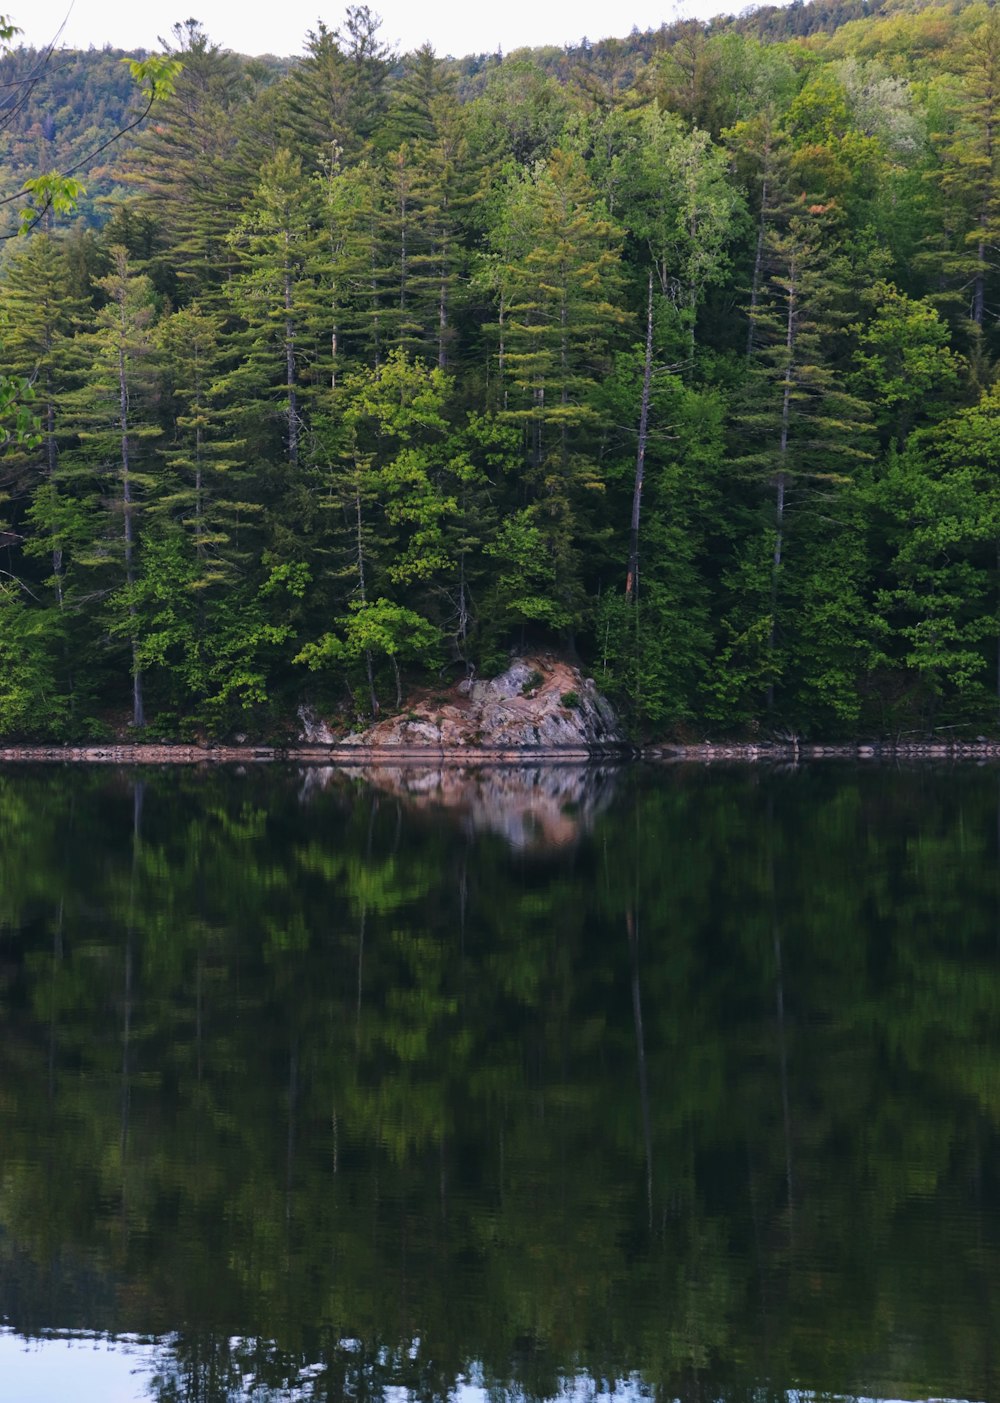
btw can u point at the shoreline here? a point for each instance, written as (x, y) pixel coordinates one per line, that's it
(359, 757)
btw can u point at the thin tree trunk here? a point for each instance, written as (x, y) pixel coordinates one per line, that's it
(501, 358)
(138, 712)
(781, 476)
(632, 573)
(979, 287)
(362, 594)
(442, 317)
(758, 264)
(51, 455)
(292, 396)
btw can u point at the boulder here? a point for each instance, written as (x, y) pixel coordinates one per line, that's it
(537, 703)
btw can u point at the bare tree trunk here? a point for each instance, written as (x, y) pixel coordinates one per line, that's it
(290, 388)
(501, 358)
(632, 574)
(780, 481)
(138, 712)
(442, 318)
(51, 455)
(362, 594)
(758, 264)
(979, 287)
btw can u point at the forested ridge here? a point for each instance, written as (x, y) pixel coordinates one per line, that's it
(676, 352)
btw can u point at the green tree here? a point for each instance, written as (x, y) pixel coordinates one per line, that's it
(805, 431)
(278, 296)
(681, 206)
(116, 441)
(189, 170)
(904, 362)
(557, 272)
(39, 317)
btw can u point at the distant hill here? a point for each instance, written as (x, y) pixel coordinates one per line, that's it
(57, 109)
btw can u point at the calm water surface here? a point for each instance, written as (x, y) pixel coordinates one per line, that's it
(521, 1085)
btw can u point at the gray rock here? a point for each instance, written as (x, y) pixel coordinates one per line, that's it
(314, 731)
(522, 709)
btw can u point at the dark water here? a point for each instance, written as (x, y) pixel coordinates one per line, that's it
(679, 1083)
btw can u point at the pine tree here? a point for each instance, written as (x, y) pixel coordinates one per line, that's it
(970, 170)
(316, 102)
(39, 316)
(559, 283)
(803, 428)
(115, 444)
(190, 169)
(281, 302)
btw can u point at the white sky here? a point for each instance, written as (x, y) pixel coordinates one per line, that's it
(452, 26)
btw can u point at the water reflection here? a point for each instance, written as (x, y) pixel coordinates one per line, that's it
(532, 807)
(342, 1099)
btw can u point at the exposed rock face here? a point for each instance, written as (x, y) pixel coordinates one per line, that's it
(539, 703)
(314, 731)
(534, 808)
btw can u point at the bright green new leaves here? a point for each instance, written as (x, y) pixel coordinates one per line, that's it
(680, 203)
(523, 589)
(55, 192)
(380, 627)
(904, 359)
(17, 419)
(156, 76)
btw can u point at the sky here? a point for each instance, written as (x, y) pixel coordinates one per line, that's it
(452, 26)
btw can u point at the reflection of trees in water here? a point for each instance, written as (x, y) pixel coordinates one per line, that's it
(193, 1370)
(296, 1075)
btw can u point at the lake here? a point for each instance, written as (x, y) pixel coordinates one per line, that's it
(544, 1083)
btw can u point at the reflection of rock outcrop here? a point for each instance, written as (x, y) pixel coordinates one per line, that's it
(539, 703)
(533, 807)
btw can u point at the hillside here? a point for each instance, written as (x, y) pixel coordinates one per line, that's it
(62, 106)
(674, 358)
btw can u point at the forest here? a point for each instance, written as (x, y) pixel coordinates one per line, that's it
(675, 354)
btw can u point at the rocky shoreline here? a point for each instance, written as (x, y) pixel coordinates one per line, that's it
(348, 756)
(541, 710)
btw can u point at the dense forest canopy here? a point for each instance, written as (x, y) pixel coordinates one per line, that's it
(677, 351)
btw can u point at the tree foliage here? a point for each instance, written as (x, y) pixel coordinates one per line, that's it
(391, 307)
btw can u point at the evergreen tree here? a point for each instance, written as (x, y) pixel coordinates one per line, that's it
(805, 433)
(190, 170)
(558, 285)
(279, 300)
(40, 316)
(115, 445)
(970, 170)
